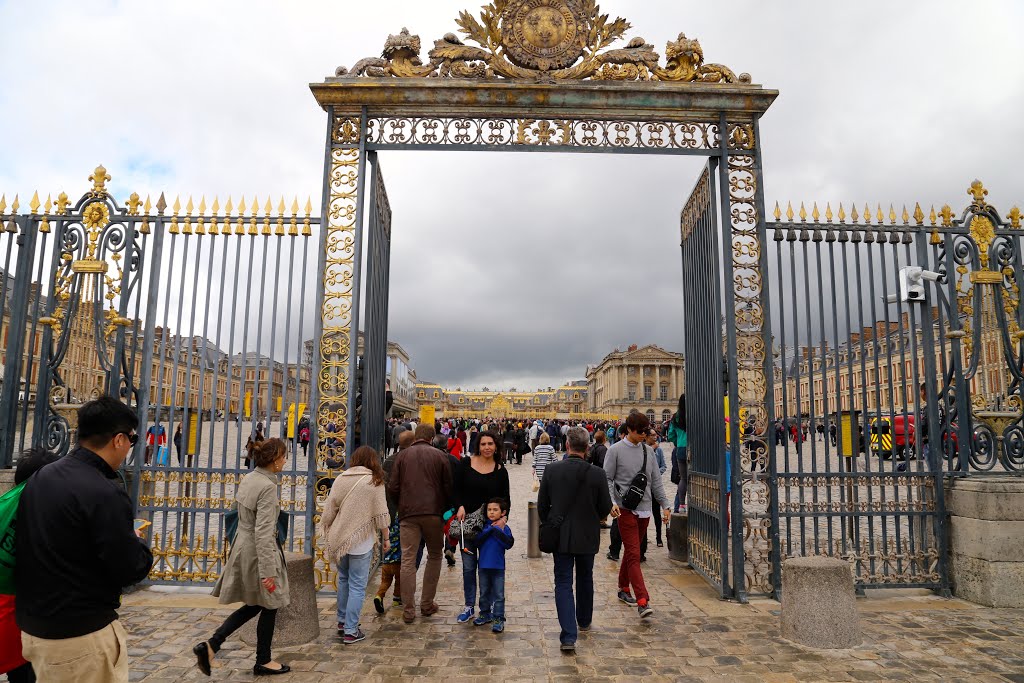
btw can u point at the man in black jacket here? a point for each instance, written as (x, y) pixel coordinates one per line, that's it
(77, 549)
(579, 492)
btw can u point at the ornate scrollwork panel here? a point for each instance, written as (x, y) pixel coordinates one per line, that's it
(516, 132)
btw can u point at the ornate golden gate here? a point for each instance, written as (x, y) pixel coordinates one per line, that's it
(542, 77)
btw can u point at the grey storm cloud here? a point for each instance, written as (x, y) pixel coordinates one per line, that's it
(511, 269)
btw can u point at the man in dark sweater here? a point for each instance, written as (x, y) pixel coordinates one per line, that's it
(579, 492)
(77, 549)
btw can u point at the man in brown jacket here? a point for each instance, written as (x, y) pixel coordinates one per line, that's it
(421, 486)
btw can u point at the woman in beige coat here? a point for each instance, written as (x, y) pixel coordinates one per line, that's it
(355, 515)
(255, 569)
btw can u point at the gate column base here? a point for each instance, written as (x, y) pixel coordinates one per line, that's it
(986, 539)
(6, 480)
(819, 607)
(299, 622)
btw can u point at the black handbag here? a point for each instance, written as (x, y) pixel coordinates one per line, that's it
(231, 526)
(551, 531)
(635, 493)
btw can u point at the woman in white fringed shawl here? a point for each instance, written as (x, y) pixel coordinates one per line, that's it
(355, 519)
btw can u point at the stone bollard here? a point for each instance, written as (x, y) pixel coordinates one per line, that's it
(679, 537)
(818, 603)
(532, 531)
(299, 622)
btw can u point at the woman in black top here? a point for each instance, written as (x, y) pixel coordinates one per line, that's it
(478, 479)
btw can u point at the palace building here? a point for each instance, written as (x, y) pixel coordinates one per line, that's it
(648, 379)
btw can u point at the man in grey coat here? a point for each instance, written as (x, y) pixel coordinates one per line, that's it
(578, 492)
(624, 459)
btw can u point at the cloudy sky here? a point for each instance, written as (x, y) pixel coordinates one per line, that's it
(512, 270)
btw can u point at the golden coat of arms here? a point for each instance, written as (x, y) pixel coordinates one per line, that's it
(542, 40)
(543, 34)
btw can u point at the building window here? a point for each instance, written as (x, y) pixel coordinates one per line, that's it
(631, 370)
(421, 394)
(648, 371)
(436, 395)
(666, 415)
(647, 392)
(650, 416)
(576, 396)
(632, 392)
(663, 393)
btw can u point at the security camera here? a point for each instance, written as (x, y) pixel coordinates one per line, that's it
(912, 279)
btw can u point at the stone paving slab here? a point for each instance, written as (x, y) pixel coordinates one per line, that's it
(908, 635)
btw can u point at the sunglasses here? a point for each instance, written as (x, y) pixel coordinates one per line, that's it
(132, 437)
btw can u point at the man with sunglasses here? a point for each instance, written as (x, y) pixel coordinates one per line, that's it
(77, 549)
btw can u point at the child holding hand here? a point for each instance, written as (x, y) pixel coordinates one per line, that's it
(492, 542)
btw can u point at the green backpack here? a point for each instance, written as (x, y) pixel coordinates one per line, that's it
(8, 512)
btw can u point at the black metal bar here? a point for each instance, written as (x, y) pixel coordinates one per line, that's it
(16, 342)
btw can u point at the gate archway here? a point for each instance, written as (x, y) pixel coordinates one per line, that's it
(543, 79)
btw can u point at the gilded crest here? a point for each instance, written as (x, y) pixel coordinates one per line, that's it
(544, 40)
(543, 34)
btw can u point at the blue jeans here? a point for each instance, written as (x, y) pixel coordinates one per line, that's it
(492, 593)
(353, 573)
(578, 610)
(470, 562)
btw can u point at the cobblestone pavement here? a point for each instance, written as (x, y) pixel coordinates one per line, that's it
(908, 635)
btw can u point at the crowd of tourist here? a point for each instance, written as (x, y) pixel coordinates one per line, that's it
(442, 490)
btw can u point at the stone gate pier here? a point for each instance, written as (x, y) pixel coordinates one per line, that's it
(986, 534)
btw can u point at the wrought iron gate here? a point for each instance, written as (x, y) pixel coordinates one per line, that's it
(884, 382)
(708, 481)
(194, 317)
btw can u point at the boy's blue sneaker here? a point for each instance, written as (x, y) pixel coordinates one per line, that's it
(466, 615)
(498, 625)
(482, 619)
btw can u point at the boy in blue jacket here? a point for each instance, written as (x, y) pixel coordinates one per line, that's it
(492, 542)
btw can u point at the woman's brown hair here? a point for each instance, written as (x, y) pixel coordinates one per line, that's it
(368, 458)
(266, 452)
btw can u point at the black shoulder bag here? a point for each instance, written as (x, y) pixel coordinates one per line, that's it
(635, 493)
(551, 531)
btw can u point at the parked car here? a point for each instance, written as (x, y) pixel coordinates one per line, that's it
(893, 436)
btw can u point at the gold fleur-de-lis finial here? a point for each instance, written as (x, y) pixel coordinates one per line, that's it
(99, 179)
(947, 216)
(1014, 217)
(978, 193)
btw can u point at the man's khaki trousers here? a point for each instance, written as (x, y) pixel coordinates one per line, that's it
(97, 657)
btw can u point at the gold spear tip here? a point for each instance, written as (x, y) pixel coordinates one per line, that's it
(918, 213)
(34, 204)
(854, 216)
(803, 212)
(828, 212)
(176, 208)
(228, 207)
(906, 216)
(147, 206)
(815, 214)
(215, 207)
(867, 213)
(47, 205)
(161, 203)
(255, 208)
(268, 208)
(309, 206)
(778, 212)
(280, 207)
(188, 207)
(3, 203)
(15, 205)
(789, 210)
(842, 213)
(202, 205)
(295, 206)
(931, 216)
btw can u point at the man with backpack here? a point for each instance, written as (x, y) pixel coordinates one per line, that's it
(634, 482)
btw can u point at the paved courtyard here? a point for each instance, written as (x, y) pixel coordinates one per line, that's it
(908, 635)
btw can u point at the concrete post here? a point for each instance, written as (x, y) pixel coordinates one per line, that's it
(533, 531)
